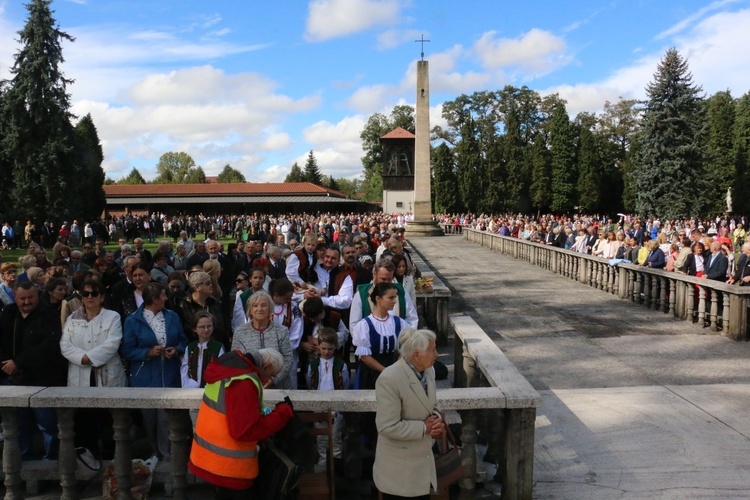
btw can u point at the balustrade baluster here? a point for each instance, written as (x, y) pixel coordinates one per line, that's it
(725, 314)
(608, 279)
(67, 453)
(672, 296)
(179, 437)
(630, 286)
(701, 306)
(637, 287)
(655, 292)
(123, 465)
(690, 303)
(714, 310)
(646, 289)
(11, 454)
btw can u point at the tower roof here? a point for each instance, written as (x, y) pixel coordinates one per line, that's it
(399, 133)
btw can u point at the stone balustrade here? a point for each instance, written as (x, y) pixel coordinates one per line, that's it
(433, 304)
(720, 306)
(450, 228)
(487, 388)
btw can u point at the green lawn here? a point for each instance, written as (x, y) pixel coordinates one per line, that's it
(13, 255)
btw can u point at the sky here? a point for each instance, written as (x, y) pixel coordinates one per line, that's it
(259, 84)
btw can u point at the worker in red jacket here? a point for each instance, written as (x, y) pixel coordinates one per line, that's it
(232, 419)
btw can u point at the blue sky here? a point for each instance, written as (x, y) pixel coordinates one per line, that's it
(259, 84)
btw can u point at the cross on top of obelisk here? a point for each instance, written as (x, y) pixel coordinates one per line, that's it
(422, 41)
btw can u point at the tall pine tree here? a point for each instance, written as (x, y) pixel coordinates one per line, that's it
(312, 172)
(444, 180)
(89, 158)
(562, 159)
(720, 167)
(742, 156)
(37, 134)
(669, 176)
(295, 174)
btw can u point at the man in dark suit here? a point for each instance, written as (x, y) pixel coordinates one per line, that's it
(591, 238)
(742, 271)
(638, 235)
(76, 262)
(276, 265)
(716, 264)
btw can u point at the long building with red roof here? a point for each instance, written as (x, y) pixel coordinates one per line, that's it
(246, 197)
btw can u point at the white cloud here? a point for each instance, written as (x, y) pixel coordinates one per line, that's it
(711, 49)
(335, 18)
(372, 97)
(536, 52)
(201, 110)
(685, 23)
(392, 38)
(337, 146)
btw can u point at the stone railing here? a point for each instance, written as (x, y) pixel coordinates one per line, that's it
(713, 303)
(509, 428)
(450, 228)
(433, 304)
(485, 384)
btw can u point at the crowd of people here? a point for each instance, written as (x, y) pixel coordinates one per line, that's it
(323, 301)
(713, 248)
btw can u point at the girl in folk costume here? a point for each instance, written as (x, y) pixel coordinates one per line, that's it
(376, 337)
(285, 313)
(199, 354)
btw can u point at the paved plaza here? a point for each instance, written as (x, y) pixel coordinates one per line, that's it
(635, 404)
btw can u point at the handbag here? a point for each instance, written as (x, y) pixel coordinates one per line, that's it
(448, 463)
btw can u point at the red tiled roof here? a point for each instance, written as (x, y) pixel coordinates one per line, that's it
(399, 133)
(220, 189)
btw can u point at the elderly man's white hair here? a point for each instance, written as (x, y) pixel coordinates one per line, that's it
(413, 340)
(272, 357)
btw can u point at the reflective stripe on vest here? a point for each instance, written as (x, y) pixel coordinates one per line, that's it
(226, 452)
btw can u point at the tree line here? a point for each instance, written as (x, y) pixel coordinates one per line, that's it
(179, 168)
(675, 154)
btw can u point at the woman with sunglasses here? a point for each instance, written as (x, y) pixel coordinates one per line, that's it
(90, 342)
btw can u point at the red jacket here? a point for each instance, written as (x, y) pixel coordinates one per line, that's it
(244, 420)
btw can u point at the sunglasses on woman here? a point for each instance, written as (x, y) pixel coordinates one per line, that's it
(93, 293)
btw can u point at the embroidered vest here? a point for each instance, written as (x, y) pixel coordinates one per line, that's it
(336, 372)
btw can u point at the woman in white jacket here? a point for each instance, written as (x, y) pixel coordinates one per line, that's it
(90, 342)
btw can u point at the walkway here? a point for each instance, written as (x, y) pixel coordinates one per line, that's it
(635, 403)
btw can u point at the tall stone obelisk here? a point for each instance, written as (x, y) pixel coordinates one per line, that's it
(422, 225)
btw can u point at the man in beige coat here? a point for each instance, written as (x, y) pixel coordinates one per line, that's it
(406, 419)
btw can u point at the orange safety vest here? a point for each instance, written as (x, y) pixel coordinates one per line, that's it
(214, 450)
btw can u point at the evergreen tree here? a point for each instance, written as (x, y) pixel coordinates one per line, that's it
(89, 157)
(562, 160)
(230, 175)
(540, 189)
(589, 164)
(444, 196)
(134, 177)
(332, 184)
(742, 156)
(37, 135)
(295, 175)
(469, 169)
(312, 172)
(720, 164)
(669, 175)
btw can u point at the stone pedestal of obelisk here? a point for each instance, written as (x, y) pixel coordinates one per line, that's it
(422, 225)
